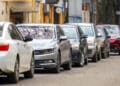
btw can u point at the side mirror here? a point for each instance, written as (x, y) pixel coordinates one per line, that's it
(28, 38)
(62, 38)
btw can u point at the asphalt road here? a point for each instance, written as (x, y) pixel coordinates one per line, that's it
(104, 73)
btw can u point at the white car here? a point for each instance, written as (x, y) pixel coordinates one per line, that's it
(16, 56)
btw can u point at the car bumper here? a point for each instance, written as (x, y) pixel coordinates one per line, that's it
(115, 47)
(6, 63)
(46, 60)
(91, 51)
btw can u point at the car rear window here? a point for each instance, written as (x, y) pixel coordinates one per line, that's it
(1, 30)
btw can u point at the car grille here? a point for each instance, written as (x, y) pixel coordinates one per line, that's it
(41, 52)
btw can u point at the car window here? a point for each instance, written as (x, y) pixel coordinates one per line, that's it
(60, 32)
(100, 30)
(1, 30)
(37, 32)
(88, 30)
(112, 29)
(70, 32)
(14, 33)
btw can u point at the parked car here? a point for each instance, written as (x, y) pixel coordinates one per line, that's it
(52, 49)
(104, 41)
(16, 56)
(90, 31)
(78, 42)
(114, 32)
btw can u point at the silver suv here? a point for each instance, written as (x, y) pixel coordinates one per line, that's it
(52, 49)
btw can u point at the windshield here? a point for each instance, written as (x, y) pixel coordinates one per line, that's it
(87, 30)
(1, 30)
(100, 30)
(70, 32)
(37, 32)
(112, 29)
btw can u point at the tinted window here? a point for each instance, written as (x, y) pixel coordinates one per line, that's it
(37, 32)
(88, 30)
(14, 33)
(1, 30)
(70, 32)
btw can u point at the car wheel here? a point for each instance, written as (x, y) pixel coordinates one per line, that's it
(108, 54)
(86, 61)
(30, 73)
(14, 77)
(81, 61)
(104, 55)
(68, 65)
(119, 53)
(57, 69)
(95, 58)
(99, 55)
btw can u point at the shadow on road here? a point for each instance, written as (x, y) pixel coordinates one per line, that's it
(4, 80)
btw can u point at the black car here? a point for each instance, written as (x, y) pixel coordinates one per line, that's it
(78, 42)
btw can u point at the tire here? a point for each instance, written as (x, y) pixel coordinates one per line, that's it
(57, 69)
(86, 61)
(95, 58)
(81, 60)
(104, 55)
(14, 77)
(30, 73)
(99, 55)
(68, 65)
(108, 54)
(119, 53)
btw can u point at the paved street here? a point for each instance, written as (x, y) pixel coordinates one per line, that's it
(104, 73)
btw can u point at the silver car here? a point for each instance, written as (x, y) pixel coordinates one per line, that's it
(79, 44)
(52, 49)
(89, 29)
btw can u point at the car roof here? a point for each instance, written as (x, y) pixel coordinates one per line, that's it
(2, 23)
(102, 25)
(67, 25)
(35, 24)
(84, 24)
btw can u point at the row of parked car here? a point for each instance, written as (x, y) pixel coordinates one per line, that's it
(25, 47)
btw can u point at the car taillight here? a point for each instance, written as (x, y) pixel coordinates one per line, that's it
(4, 47)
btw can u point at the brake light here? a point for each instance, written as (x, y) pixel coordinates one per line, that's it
(4, 47)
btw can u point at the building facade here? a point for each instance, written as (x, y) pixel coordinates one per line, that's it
(34, 11)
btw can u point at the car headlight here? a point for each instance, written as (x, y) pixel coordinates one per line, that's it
(45, 51)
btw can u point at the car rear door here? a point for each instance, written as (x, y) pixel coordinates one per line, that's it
(22, 53)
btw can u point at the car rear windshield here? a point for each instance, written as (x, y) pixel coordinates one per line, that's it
(87, 30)
(70, 32)
(37, 32)
(1, 30)
(112, 29)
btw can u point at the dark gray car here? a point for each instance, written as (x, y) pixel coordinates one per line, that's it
(78, 42)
